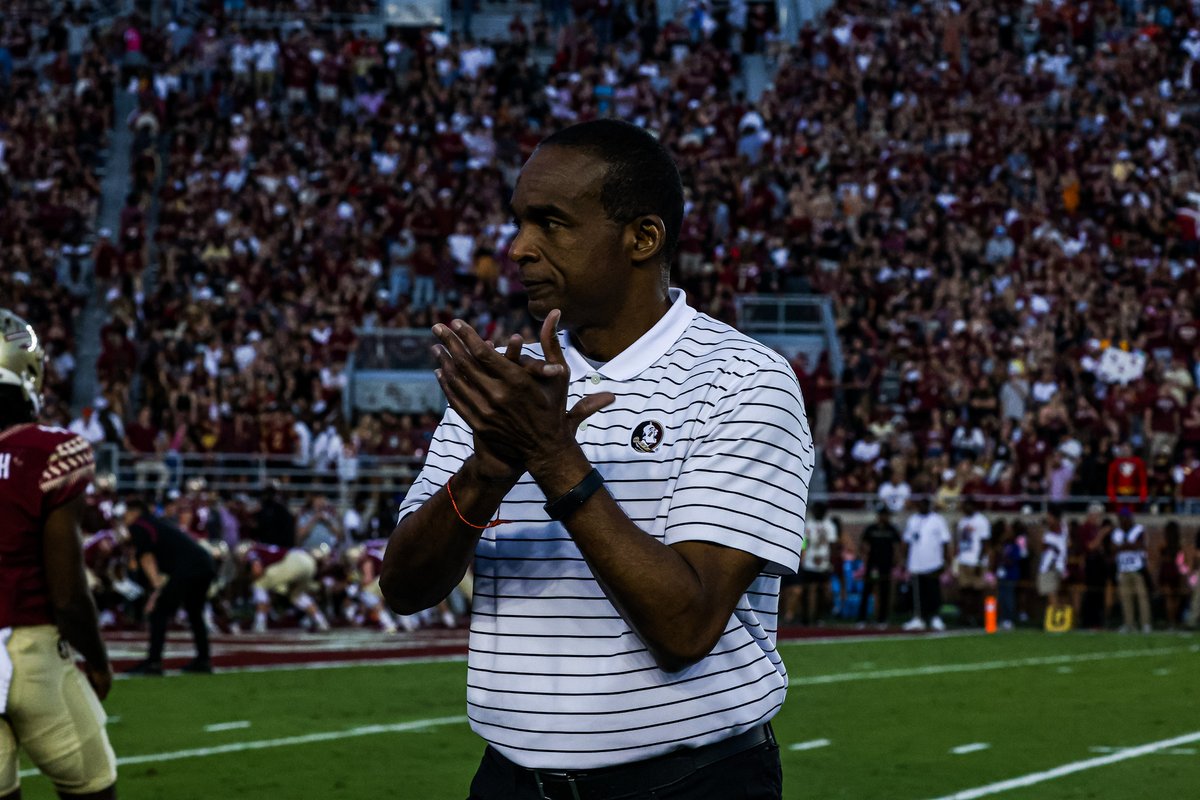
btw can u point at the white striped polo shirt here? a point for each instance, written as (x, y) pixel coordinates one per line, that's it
(707, 440)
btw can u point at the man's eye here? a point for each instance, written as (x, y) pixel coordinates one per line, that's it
(552, 224)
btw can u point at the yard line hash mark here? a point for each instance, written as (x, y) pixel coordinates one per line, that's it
(813, 745)
(974, 747)
(1032, 778)
(227, 726)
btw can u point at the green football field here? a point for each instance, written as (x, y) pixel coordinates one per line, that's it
(1021, 715)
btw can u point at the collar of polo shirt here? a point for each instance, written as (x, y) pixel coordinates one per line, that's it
(652, 345)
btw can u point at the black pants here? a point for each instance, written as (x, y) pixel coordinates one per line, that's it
(929, 594)
(881, 579)
(751, 775)
(189, 591)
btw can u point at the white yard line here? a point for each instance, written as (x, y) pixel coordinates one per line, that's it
(227, 726)
(288, 741)
(813, 745)
(984, 666)
(974, 747)
(373, 662)
(1075, 766)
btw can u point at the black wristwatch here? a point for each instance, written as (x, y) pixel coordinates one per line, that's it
(562, 507)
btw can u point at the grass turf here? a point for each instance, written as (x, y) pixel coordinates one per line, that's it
(892, 711)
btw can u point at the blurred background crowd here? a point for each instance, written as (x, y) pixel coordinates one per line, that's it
(1000, 198)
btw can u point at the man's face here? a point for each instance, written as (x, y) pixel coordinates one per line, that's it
(571, 255)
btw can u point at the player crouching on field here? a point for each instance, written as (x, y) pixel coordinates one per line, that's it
(287, 572)
(364, 600)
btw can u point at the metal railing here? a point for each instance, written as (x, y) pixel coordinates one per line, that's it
(252, 473)
(349, 476)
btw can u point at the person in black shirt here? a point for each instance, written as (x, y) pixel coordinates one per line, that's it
(179, 571)
(275, 524)
(879, 541)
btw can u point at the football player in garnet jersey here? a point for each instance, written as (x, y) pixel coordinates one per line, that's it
(48, 706)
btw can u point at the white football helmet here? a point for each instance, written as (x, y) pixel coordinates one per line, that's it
(22, 358)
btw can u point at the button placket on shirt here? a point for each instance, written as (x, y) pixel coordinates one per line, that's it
(594, 379)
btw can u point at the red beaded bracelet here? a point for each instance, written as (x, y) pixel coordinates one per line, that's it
(464, 520)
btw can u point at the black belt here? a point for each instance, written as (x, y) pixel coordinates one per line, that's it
(641, 776)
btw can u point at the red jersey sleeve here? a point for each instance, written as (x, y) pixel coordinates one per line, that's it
(70, 467)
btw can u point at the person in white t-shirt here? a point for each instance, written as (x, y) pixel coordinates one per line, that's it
(816, 562)
(1053, 563)
(1129, 541)
(895, 492)
(972, 538)
(927, 540)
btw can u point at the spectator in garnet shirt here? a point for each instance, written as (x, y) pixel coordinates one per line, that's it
(1190, 424)
(149, 442)
(142, 436)
(822, 399)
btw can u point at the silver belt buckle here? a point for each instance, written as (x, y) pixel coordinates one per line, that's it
(537, 777)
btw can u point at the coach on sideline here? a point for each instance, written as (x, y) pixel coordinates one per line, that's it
(630, 492)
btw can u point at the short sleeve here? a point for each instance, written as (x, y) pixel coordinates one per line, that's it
(69, 470)
(453, 442)
(744, 481)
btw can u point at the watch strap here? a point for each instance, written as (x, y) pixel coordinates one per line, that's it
(562, 507)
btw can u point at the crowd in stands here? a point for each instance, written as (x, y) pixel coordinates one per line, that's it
(56, 106)
(1000, 197)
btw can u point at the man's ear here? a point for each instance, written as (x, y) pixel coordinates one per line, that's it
(649, 238)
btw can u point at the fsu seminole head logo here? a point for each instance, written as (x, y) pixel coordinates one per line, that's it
(647, 436)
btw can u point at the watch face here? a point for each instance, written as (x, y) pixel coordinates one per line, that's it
(647, 436)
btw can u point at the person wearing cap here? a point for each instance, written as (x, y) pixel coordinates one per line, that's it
(879, 541)
(179, 572)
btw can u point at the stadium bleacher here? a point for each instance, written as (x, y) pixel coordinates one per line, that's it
(998, 199)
